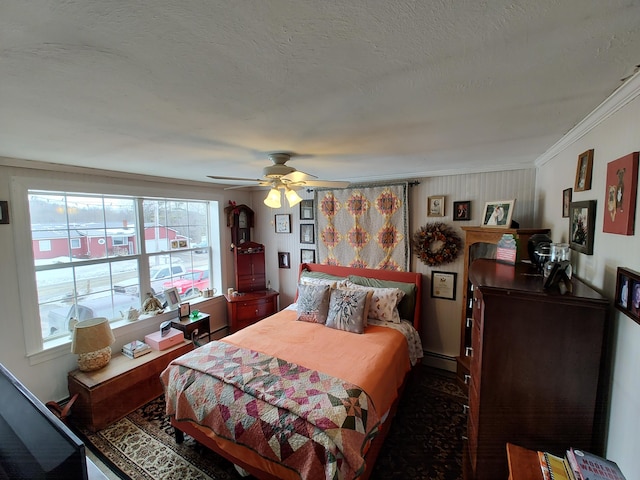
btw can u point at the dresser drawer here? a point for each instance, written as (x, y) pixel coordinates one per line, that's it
(254, 310)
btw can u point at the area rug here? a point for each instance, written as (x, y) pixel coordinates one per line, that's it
(425, 441)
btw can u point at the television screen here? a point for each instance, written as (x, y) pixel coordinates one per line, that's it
(34, 443)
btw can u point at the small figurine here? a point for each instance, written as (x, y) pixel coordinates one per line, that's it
(132, 314)
(152, 304)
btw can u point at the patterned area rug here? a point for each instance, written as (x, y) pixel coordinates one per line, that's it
(425, 441)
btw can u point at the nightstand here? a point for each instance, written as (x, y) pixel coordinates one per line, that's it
(189, 324)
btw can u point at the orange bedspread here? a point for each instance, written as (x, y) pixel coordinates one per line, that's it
(376, 361)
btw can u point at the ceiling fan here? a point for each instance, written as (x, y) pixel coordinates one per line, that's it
(280, 176)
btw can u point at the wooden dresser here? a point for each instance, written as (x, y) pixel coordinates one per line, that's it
(245, 309)
(538, 366)
(481, 242)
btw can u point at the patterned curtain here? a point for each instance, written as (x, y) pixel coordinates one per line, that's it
(363, 226)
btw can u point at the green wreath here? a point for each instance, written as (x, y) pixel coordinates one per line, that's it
(446, 241)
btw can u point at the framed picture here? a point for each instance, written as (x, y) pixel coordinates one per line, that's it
(583, 172)
(185, 309)
(4, 211)
(307, 256)
(306, 210)
(462, 210)
(284, 260)
(283, 223)
(173, 297)
(307, 234)
(566, 201)
(443, 285)
(628, 293)
(498, 214)
(620, 195)
(435, 207)
(582, 218)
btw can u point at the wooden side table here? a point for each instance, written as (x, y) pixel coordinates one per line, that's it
(108, 394)
(190, 324)
(523, 463)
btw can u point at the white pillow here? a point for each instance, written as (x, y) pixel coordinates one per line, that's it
(384, 302)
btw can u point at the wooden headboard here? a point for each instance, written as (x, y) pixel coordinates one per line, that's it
(406, 277)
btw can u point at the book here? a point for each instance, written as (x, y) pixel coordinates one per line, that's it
(546, 475)
(570, 460)
(557, 469)
(135, 349)
(593, 467)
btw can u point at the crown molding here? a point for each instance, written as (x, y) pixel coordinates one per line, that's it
(624, 94)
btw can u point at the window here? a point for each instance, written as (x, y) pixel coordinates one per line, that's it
(98, 255)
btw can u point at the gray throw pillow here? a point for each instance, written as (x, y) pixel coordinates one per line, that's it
(313, 303)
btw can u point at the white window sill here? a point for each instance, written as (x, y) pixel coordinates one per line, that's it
(121, 328)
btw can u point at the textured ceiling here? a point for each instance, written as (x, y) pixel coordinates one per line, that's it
(364, 90)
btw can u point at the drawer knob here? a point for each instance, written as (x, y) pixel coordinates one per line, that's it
(465, 409)
(469, 322)
(468, 351)
(467, 379)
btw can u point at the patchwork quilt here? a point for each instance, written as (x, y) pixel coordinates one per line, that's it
(315, 424)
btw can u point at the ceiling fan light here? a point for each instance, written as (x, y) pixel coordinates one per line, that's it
(292, 197)
(273, 198)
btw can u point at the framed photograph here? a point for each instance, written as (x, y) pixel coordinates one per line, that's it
(306, 210)
(498, 214)
(307, 256)
(582, 218)
(284, 260)
(620, 195)
(583, 172)
(435, 207)
(185, 309)
(462, 210)
(4, 211)
(628, 293)
(443, 285)
(566, 202)
(307, 234)
(283, 223)
(173, 297)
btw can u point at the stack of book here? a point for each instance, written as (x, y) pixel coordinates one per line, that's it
(578, 465)
(135, 349)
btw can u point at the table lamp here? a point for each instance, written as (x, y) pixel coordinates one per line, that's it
(91, 341)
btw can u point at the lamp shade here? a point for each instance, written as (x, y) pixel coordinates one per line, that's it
(292, 197)
(273, 198)
(91, 341)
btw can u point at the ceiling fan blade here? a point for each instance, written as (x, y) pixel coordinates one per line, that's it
(326, 184)
(237, 187)
(235, 179)
(297, 176)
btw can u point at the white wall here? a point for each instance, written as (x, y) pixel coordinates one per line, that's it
(48, 380)
(612, 134)
(441, 318)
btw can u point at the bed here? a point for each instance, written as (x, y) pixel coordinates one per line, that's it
(292, 399)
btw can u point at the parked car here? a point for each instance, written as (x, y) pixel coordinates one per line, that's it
(190, 284)
(157, 275)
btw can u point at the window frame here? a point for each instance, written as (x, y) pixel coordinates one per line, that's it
(35, 348)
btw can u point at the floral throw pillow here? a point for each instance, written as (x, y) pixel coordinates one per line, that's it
(348, 309)
(313, 303)
(384, 303)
